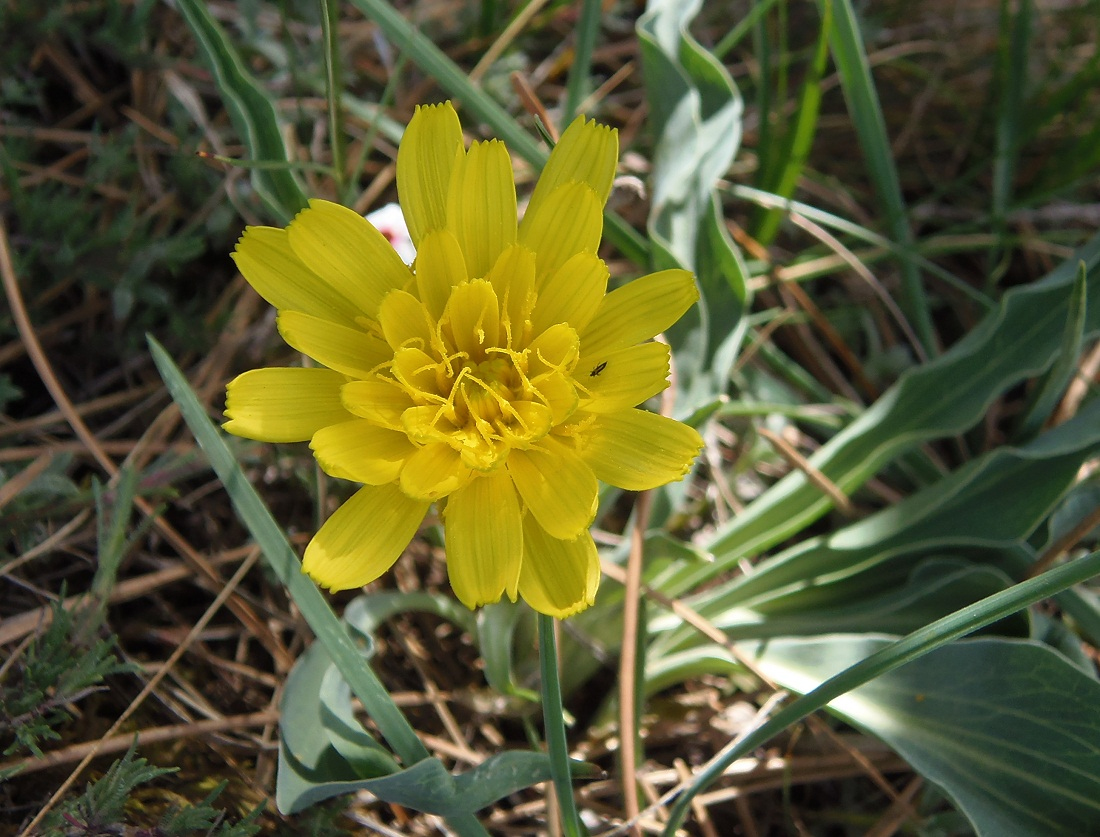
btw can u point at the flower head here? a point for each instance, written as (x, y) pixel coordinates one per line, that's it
(496, 377)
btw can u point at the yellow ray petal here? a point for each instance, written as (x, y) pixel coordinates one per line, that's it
(556, 485)
(283, 405)
(572, 294)
(434, 471)
(623, 378)
(265, 259)
(428, 424)
(560, 395)
(637, 450)
(349, 350)
(638, 311)
(558, 578)
(405, 321)
(532, 420)
(481, 205)
(473, 315)
(360, 451)
(381, 401)
(567, 222)
(513, 279)
(440, 266)
(428, 152)
(417, 371)
(484, 540)
(352, 256)
(363, 538)
(587, 152)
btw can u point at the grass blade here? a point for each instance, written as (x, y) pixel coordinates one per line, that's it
(863, 103)
(283, 560)
(581, 69)
(802, 135)
(252, 112)
(330, 36)
(281, 557)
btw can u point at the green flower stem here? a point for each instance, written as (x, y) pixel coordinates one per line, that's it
(555, 728)
(280, 556)
(908, 648)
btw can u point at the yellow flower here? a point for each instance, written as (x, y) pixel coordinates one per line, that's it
(495, 377)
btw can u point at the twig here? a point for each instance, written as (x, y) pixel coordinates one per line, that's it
(121, 743)
(797, 460)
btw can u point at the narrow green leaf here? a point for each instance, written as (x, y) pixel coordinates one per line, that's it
(894, 597)
(889, 658)
(112, 524)
(282, 558)
(1044, 398)
(801, 136)
(1012, 65)
(330, 40)
(428, 787)
(367, 612)
(943, 397)
(994, 500)
(496, 630)
(696, 115)
(863, 104)
(251, 110)
(344, 732)
(1008, 728)
(580, 69)
(732, 38)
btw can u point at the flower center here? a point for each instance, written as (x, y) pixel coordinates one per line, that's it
(475, 391)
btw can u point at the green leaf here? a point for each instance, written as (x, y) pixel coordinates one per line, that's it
(284, 561)
(932, 589)
(496, 630)
(1012, 72)
(800, 138)
(1009, 729)
(365, 613)
(428, 787)
(890, 657)
(300, 707)
(252, 112)
(1045, 397)
(315, 717)
(580, 68)
(345, 734)
(941, 398)
(854, 72)
(994, 501)
(696, 113)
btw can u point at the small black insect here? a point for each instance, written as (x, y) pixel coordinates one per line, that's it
(600, 367)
